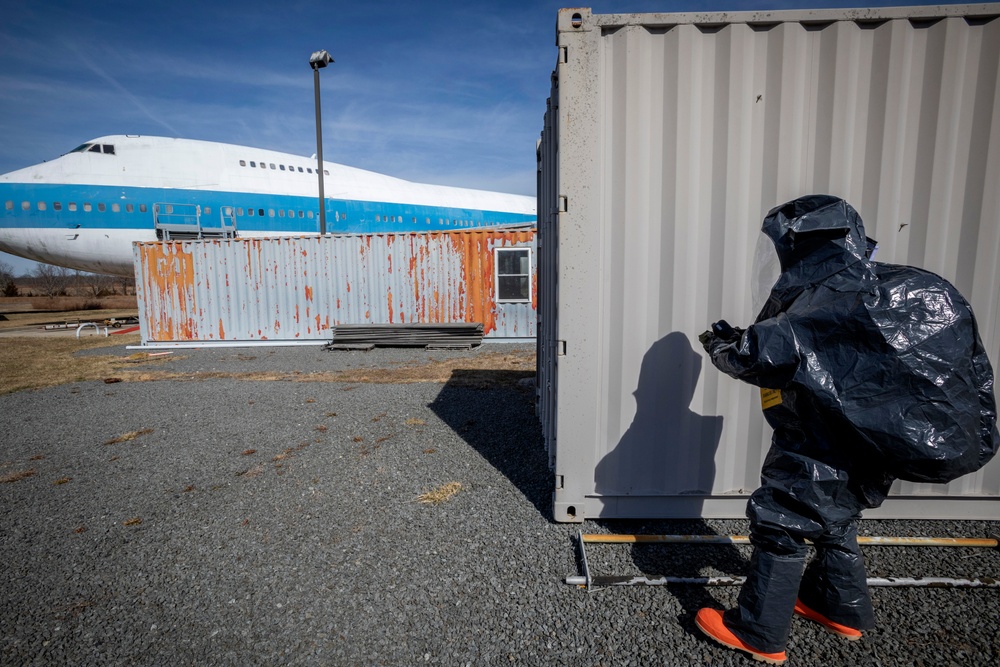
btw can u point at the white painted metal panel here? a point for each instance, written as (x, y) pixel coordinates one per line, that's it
(667, 139)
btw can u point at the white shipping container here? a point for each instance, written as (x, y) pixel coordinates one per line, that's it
(666, 140)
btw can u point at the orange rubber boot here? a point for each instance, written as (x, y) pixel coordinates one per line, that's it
(831, 626)
(710, 622)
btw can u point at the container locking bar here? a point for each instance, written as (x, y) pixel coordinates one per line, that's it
(590, 581)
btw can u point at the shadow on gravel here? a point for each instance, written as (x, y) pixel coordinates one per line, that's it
(497, 419)
(683, 561)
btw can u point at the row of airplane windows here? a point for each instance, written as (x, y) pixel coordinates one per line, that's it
(72, 206)
(281, 167)
(207, 210)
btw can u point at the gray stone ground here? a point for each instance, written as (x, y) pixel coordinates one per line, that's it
(261, 523)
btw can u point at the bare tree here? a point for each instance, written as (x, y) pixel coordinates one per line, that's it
(7, 285)
(96, 284)
(125, 283)
(52, 280)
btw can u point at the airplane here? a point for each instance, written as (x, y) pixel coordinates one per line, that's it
(83, 210)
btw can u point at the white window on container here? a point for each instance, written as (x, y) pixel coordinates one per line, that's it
(102, 207)
(142, 208)
(513, 275)
(270, 212)
(72, 206)
(9, 205)
(207, 210)
(41, 206)
(57, 206)
(87, 207)
(272, 166)
(26, 206)
(302, 214)
(309, 214)
(281, 213)
(129, 208)
(239, 210)
(116, 208)
(243, 163)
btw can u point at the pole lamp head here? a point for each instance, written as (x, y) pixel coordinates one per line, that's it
(320, 59)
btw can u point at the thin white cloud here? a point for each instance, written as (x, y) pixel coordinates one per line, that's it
(138, 103)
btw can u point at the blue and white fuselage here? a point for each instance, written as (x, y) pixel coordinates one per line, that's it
(84, 209)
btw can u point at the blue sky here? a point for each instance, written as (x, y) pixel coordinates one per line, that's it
(440, 91)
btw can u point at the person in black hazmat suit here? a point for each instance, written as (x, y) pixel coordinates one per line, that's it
(868, 372)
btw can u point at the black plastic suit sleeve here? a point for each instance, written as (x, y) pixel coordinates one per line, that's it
(765, 355)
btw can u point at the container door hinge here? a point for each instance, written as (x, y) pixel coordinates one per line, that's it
(563, 55)
(563, 204)
(560, 348)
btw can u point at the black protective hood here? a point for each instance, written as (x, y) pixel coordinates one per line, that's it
(817, 228)
(874, 364)
(816, 238)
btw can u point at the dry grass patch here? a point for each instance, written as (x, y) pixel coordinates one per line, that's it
(16, 476)
(34, 362)
(442, 494)
(131, 435)
(37, 362)
(255, 471)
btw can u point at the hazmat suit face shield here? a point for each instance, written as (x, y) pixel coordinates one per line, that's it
(764, 273)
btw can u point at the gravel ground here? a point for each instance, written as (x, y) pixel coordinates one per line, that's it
(279, 523)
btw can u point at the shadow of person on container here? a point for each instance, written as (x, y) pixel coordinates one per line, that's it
(493, 412)
(669, 450)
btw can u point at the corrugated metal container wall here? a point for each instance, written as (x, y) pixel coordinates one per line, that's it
(293, 289)
(667, 139)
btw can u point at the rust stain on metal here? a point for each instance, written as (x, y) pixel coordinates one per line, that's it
(171, 285)
(435, 277)
(534, 290)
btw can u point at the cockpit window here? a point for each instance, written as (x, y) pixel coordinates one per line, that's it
(107, 149)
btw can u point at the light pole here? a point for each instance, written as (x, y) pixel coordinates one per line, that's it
(318, 61)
